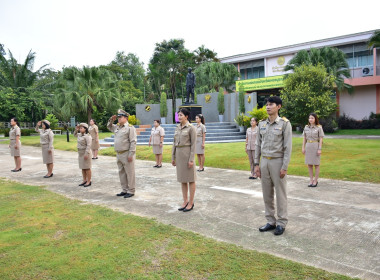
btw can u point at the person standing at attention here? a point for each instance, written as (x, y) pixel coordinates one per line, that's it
(157, 138)
(46, 140)
(125, 148)
(15, 144)
(201, 138)
(94, 132)
(274, 145)
(84, 152)
(185, 137)
(250, 146)
(312, 147)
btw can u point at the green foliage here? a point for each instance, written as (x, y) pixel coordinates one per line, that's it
(133, 120)
(333, 59)
(203, 54)
(259, 114)
(53, 121)
(163, 105)
(309, 89)
(221, 101)
(241, 99)
(243, 120)
(374, 41)
(213, 75)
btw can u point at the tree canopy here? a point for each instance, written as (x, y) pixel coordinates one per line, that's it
(374, 41)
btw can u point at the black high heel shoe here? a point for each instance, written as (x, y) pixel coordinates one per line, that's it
(87, 185)
(181, 209)
(46, 176)
(187, 210)
(315, 185)
(84, 183)
(16, 170)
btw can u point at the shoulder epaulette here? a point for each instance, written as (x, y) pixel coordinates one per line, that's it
(130, 125)
(319, 125)
(285, 119)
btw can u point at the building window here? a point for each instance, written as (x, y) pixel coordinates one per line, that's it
(359, 59)
(252, 73)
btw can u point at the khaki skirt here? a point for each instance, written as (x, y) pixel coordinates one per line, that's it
(198, 146)
(311, 156)
(184, 173)
(95, 144)
(14, 152)
(84, 164)
(46, 156)
(157, 150)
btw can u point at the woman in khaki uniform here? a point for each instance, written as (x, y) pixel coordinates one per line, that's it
(185, 137)
(94, 132)
(46, 140)
(312, 147)
(201, 138)
(15, 144)
(84, 152)
(157, 139)
(250, 146)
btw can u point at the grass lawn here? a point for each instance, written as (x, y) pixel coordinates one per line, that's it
(344, 159)
(47, 236)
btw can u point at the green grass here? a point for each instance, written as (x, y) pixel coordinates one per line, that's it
(47, 236)
(343, 159)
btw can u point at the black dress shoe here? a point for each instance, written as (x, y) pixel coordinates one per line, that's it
(121, 194)
(187, 210)
(313, 186)
(159, 166)
(46, 176)
(181, 209)
(84, 183)
(16, 170)
(156, 165)
(87, 185)
(129, 195)
(279, 230)
(267, 227)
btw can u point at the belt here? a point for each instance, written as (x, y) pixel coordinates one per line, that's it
(311, 141)
(271, 157)
(121, 152)
(182, 146)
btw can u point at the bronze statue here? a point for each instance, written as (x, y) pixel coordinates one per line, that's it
(190, 85)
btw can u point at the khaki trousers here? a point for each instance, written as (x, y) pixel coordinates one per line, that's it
(251, 156)
(126, 172)
(270, 182)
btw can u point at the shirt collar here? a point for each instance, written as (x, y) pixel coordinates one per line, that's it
(275, 121)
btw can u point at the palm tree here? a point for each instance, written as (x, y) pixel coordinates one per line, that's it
(79, 90)
(203, 54)
(333, 59)
(374, 41)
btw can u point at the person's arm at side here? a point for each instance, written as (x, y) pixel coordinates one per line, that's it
(246, 140)
(173, 152)
(88, 146)
(18, 135)
(321, 135)
(150, 139)
(132, 141)
(258, 154)
(287, 149)
(51, 141)
(193, 139)
(303, 141)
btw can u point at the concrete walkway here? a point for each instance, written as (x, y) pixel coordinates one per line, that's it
(334, 226)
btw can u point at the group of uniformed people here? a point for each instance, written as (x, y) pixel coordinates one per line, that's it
(269, 140)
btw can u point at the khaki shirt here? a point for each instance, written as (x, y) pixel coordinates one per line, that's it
(201, 129)
(156, 134)
(313, 133)
(15, 131)
(84, 141)
(251, 138)
(274, 140)
(185, 136)
(125, 137)
(94, 132)
(46, 137)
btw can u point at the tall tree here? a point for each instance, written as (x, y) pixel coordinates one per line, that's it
(213, 75)
(80, 90)
(374, 41)
(333, 59)
(203, 54)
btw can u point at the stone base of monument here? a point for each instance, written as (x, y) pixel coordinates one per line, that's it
(193, 108)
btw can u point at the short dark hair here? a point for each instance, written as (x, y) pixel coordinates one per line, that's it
(184, 111)
(158, 121)
(274, 99)
(46, 125)
(202, 118)
(315, 117)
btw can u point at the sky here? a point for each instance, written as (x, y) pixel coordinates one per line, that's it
(83, 32)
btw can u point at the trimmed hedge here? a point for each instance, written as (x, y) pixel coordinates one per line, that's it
(346, 122)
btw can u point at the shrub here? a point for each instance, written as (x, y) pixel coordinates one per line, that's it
(329, 125)
(259, 114)
(133, 120)
(346, 122)
(243, 120)
(221, 101)
(163, 105)
(53, 121)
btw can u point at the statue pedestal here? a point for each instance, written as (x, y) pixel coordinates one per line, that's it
(193, 108)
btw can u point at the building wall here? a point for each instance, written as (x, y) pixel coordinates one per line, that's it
(359, 104)
(274, 66)
(209, 107)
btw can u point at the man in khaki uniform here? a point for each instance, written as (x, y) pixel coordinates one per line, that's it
(274, 145)
(125, 147)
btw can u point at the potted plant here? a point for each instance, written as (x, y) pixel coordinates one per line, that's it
(221, 104)
(242, 121)
(163, 108)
